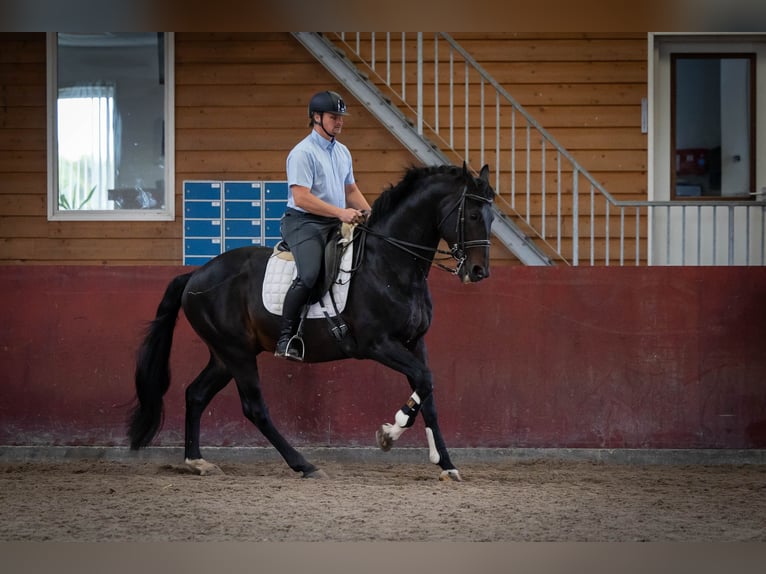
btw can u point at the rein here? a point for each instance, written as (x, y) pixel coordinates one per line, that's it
(457, 251)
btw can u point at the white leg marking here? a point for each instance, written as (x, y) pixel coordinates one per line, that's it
(433, 454)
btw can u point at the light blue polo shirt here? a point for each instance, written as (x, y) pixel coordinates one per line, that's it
(323, 166)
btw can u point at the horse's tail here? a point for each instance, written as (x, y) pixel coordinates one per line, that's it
(153, 368)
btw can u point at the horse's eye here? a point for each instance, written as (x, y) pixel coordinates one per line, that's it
(473, 216)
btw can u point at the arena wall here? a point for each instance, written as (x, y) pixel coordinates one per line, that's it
(661, 357)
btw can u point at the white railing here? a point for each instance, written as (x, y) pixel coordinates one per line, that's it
(452, 101)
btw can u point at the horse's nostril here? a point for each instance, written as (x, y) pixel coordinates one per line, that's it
(480, 273)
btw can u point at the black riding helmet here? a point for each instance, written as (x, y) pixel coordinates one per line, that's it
(327, 101)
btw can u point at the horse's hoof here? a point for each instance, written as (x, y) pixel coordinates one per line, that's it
(385, 442)
(202, 467)
(451, 474)
(318, 473)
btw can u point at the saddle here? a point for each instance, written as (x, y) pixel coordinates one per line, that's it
(329, 297)
(337, 243)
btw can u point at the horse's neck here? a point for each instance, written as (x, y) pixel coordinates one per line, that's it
(407, 241)
(414, 223)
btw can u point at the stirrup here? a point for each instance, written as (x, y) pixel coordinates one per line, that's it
(294, 349)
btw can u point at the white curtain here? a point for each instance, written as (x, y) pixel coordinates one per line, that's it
(86, 146)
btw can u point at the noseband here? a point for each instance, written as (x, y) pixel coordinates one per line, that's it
(458, 250)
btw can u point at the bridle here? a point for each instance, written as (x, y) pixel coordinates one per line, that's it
(457, 250)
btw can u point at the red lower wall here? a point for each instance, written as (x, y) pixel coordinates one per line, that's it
(663, 357)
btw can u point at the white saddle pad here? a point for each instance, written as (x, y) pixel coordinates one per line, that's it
(280, 272)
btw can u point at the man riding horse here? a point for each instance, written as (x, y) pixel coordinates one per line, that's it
(322, 195)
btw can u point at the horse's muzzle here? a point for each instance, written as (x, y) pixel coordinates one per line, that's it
(475, 274)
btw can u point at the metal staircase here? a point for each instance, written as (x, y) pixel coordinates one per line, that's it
(411, 136)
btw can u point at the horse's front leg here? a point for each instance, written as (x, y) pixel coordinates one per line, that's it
(404, 419)
(421, 381)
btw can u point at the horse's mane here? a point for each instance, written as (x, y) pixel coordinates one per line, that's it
(395, 194)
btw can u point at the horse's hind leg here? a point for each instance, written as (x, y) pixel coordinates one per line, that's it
(214, 377)
(255, 409)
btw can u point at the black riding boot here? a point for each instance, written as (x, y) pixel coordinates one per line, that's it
(295, 300)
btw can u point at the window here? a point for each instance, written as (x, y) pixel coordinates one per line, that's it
(110, 152)
(713, 114)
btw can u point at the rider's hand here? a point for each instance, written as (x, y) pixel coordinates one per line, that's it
(352, 216)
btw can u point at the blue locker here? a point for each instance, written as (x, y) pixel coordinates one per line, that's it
(202, 228)
(245, 190)
(275, 190)
(202, 246)
(243, 209)
(202, 190)
(243, 228)
(235, 242)
(202, 209)
(271, 228)
(275, 209)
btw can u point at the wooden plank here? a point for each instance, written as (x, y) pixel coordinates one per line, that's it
(30, 227)
(23, 161)
(35, 205)
(32, 95)
(547, 116)
(258, 119)
(278, 118)
(483, 49)
(86, 249)
(544, 36)
(243, 161)
(23, 139)
(592, 160)
(557, 49)
(258, 72)
(622, 185)
(22, 183)
(31, 117)
(22, 48)
(374, 138)
(23, 73)
(514, 73)
(252, 94)
(247, 94)
(241, 51)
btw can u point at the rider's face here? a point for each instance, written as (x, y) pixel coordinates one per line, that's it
(333, 123)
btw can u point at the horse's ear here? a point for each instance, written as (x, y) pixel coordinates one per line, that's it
(484, 173)
(465, 169)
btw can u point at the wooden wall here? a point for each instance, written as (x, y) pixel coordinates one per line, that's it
(585, 89)
(241, 105)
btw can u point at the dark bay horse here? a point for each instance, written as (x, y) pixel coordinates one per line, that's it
(388, 312)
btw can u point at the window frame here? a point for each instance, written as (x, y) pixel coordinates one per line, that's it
(164, 214)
